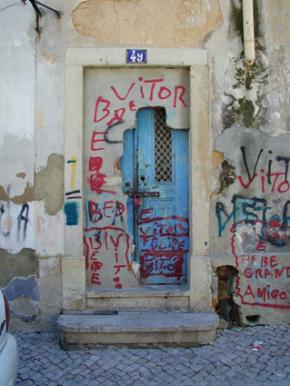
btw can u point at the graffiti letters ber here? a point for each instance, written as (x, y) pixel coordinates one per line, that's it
(258, 219)
(107, 242)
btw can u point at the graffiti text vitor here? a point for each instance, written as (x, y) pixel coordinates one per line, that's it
(271, 176)
(149, 90)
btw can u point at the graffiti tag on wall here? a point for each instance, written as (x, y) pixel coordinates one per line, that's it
(16, 226)
(111, 106)
(107, 254)
(71, 207)
(258, 219)
(147, 90)
(163, 244)
(262, 278)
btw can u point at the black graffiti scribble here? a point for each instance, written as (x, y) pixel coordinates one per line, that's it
(22, 221)
(2, 327)
(106, 134)
(286, 160)
(2, 211)
(246, 163)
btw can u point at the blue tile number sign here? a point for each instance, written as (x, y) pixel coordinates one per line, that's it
(136, 56)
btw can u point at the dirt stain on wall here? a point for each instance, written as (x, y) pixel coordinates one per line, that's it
(49, 187)
(23, 263)
(184, 23)
(49, 184)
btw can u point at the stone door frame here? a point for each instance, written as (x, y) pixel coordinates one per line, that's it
(73, 261)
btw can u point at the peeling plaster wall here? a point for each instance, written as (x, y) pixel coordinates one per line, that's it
(276, 39)
(17, 77)
(31, 173)
(109, 22)
(252, 221)
(249, 119)
(16, 125)
(250, 182)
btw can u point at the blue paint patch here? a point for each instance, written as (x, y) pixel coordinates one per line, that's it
(22, 286)
(72, 213)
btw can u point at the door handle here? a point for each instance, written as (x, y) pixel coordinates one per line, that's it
(136, 194)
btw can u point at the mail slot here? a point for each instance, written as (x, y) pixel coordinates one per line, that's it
(134, 194)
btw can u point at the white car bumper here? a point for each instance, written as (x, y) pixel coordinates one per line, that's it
(9, 362)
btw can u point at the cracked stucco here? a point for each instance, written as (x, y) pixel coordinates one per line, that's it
(184, 23)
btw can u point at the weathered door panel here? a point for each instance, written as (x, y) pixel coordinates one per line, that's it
(155, 175)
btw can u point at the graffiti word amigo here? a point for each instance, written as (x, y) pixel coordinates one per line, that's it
(261, 281)
(263, 277)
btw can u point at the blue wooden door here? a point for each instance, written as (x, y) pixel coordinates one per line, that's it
(155, 177)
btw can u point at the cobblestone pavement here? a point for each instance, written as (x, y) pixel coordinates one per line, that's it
(248, 356)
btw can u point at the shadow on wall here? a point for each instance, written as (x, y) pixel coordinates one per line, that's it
(226, 308)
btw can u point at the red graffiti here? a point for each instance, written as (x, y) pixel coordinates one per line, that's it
(95, 163)
(126, 95)
(97, 179)
(161, 227)
(101, 109)
(106, 247)
(266, 294)
(165, 263)
(117, 117)
(163, 244)
(150, 90)
(95, 278)
(262, 277)
(97, 137)
(278, 183)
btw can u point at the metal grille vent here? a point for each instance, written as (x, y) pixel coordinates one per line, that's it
(163, 148)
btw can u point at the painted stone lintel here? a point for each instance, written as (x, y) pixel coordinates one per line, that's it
(116, 56)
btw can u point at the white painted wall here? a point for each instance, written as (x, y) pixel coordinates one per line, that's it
(17, 104)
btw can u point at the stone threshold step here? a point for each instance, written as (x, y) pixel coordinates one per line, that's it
(138, 328)
(145, 291)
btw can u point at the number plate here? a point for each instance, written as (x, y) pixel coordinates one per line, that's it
(135, 56)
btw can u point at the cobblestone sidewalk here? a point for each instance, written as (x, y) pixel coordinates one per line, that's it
(256, 355)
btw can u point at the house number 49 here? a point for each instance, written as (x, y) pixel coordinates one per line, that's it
(136, 56)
